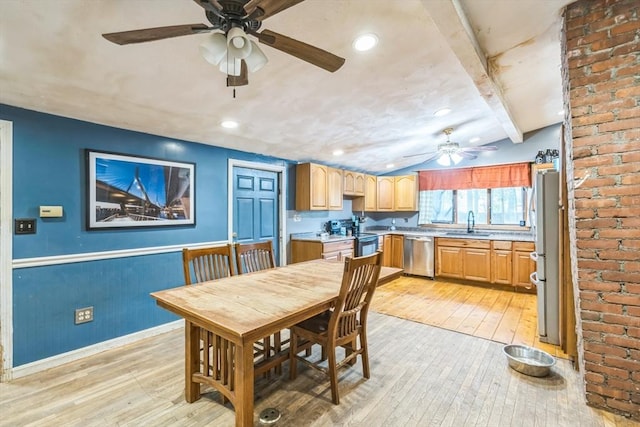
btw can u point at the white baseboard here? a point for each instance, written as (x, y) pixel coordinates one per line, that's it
(71, 356)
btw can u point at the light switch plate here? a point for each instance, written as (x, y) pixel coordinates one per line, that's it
(25, 226)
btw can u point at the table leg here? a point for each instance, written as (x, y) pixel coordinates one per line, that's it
(192, 361)
(244, 385)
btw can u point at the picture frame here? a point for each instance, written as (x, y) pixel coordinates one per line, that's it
(125, 191)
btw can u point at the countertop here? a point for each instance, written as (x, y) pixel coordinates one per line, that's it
(461, 234)
(313, 237)
(451, 234)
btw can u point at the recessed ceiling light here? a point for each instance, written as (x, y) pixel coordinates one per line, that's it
(442, 112)
(390, 165)
(338, 152)
(474, 139)
(229, 124)
(365, 42)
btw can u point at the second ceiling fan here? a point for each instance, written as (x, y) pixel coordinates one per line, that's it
(231, 49)
(449, 153)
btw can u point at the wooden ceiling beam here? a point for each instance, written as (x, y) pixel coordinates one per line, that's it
(449, 18)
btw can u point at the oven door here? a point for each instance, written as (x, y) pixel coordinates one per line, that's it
(366, 245)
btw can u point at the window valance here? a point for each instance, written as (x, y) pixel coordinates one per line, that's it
(500, 176)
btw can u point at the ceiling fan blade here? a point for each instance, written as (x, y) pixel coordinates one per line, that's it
(421, 154)
(480, 148)
(301, 50)
(466, 155)
(209, 4)
(269, 7)
(242, 79)
(158, 33)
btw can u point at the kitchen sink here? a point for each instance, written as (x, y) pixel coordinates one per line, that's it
(465, 233)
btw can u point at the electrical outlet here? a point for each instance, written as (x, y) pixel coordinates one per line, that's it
(84, 315)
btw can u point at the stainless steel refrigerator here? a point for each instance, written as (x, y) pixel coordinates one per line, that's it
(545, 220)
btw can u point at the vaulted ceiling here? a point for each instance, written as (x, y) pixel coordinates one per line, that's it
(494, 63)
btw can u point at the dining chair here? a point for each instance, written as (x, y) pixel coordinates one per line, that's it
(202, 265)
(341, 326)
(252, 257)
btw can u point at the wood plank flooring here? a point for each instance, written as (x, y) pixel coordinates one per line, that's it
(495, 314)
(420, 376)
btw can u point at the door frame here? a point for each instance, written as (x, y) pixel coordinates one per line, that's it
(281, 170)
(6, 251)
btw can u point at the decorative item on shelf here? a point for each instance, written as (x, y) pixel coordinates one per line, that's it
(540, 157)
(548, 157)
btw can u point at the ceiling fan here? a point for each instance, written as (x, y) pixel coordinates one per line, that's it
(231, 49)
(449, 153)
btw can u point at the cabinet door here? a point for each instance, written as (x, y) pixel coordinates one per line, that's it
(405, 198)
(334, 188)
(386, 186)
(523, 266)
(477, 264)
(358, 187)
(397, 252)
(501, 271)
(349, 183)
(311, 187)
(369, 202)
(331, 256)
(388, 251)
(450, 262)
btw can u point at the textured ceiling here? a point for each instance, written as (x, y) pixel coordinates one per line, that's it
(378, 107)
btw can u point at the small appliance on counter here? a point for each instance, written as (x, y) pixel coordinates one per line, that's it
(365, 243)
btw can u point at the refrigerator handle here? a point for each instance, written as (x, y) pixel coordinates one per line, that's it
(534, 256)
(533, 278)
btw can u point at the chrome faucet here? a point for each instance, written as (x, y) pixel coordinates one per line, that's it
(471, 222)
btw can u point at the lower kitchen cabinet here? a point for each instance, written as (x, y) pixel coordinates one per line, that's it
(523, 265)
(397, 251)
(305, 250)
(496, 261)
(501, 262)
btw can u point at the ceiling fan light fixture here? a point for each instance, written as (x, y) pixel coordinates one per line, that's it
(231, 66)
(256, 59)
(456, 158)
(444, 160)
(442, 112)
(238, 44)
(365, 42)
(214, 49)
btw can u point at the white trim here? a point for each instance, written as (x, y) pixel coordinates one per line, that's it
(6, 249)
(97, 256)
(282, 223)
(81, 353)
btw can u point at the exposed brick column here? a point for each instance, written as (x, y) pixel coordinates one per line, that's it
(601, 78)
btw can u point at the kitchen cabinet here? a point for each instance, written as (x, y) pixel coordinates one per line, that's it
(467, 259)
(335, 184)
(318, 187)
(368, 203)
(501, 262)
(405, 193)
(306, 250)
(393, 250)
(523, 265)
(386, 193)
(353, 183)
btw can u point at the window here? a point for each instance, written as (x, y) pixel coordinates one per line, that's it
(497, 206)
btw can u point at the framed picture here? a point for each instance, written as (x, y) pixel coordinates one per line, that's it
(127, 191)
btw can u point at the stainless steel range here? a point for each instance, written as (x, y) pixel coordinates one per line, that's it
(364, 244)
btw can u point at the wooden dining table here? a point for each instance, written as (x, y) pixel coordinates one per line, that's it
(236, 312)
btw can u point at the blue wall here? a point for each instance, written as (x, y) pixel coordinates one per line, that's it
(49, 169)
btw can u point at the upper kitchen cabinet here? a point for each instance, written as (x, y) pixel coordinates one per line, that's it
(353, 183)
(368, 203)
(318, 187)
(405, 198)
(334, 188)
(386, 191)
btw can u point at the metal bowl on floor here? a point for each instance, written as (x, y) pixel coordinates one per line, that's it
(529, 360)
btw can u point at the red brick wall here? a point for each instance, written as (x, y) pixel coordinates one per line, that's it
(601, 74)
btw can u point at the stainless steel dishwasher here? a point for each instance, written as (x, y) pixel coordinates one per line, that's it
(419, 255)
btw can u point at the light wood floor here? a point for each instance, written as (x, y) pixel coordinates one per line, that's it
(421, 376)
(495, 314)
